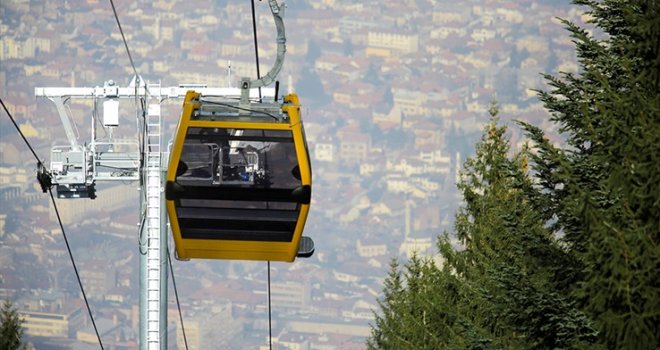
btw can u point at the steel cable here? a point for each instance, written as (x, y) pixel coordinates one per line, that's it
(59, 220)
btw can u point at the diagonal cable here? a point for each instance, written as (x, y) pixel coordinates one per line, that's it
(73, 262)
(20, 132)
(138, 78)
(123, 37)
(176, 294)
(256, 45)
(141, 101)
(270, 324)
(256, 55)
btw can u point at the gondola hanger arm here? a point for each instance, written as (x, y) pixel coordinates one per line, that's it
(269, 78)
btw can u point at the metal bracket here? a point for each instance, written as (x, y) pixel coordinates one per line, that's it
(66, 122)
(44, 177)
(245, 93)
(269, 78)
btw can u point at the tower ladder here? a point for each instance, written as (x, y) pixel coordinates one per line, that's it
(154, 217)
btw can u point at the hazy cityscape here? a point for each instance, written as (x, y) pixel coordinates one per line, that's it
(394, 96)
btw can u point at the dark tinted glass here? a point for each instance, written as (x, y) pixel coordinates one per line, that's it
(233, 157)
(238, 163)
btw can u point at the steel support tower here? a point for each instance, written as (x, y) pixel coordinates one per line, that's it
(76, 168)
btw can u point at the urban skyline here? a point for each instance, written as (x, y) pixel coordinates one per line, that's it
(394, 97)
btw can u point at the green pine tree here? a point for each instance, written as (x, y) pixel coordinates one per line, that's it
(603, 187)
(498, 292)
(386, 322)
(418, 308)
(11, 329)
(512, 260)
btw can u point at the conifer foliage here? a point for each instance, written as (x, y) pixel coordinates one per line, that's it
(558, 246)
(606, 183)
(11, 328)
(498, 292)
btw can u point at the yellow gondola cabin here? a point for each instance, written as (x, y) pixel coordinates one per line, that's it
(239, 180)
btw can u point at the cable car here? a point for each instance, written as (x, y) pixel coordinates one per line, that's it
(239, 180)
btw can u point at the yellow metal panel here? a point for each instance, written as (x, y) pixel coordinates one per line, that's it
(180, 136)
(240, 250)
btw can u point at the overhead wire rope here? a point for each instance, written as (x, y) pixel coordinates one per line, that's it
(270, 324)
(140, 100)
(256, 56)
(256, 44)
(141, 138)
(176, 294)
(59, 219)
(143, 141)
(20, 132)
(68, 248)
(123, 37)
(141, 243)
